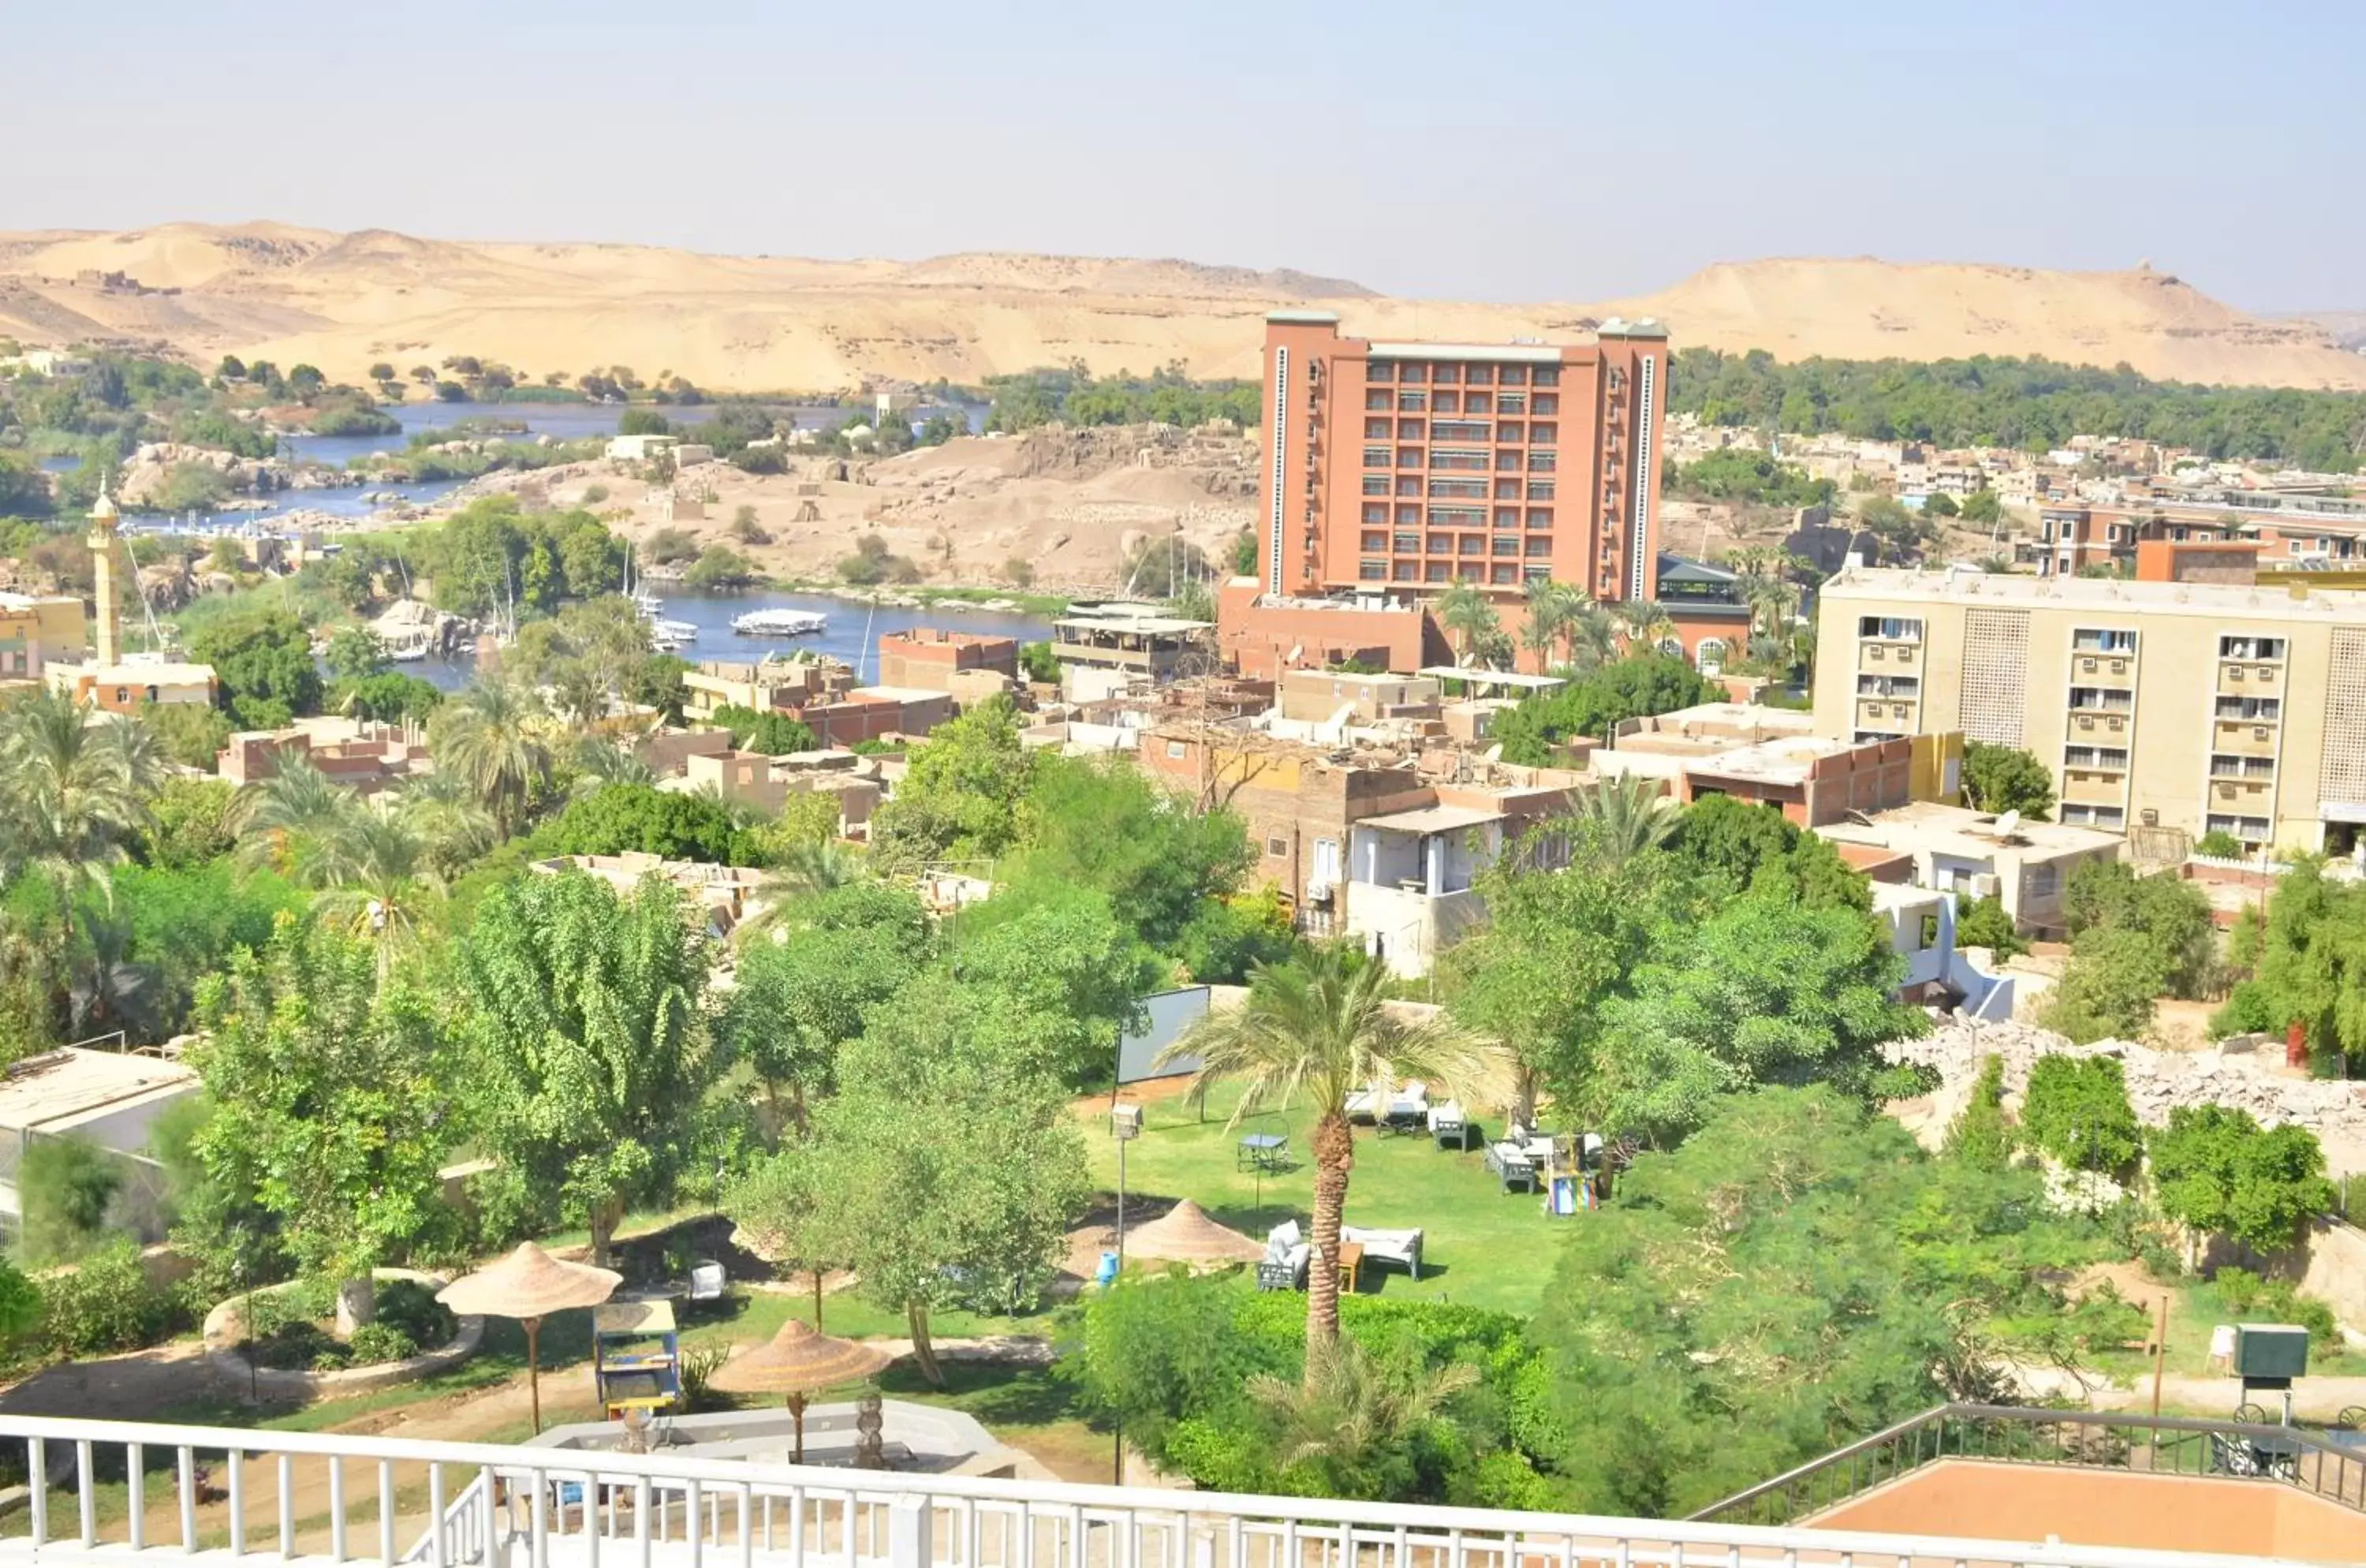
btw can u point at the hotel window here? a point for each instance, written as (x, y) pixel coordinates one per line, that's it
(1548, 402)
(1473, 544)
(1376, 430)
(1375, 540)
(1441, 544)
(1413, 403)
(1378, 370)
(1514, 375)
(1458, 430)
(1478, 376)
(1504, 575)
(1405, 571)
(1376, 484)
(1376, 456)
(1408, 544)
(1507, 462)
(1458, 516)
(1539, 517)
(1408, 484)
(1447, 403)
(1540, 490)
(1507, 517)
(1464, 458)
(1541, 462)
(1506, 545)
(1445, 375)
(1507, 490)
(1372, 571)
(1478, 402)
(1544, 434)
(1459, 490)
(1413, 375)
(1537, 546)
(1512, 433)
(1547, 376)
(1408, 456)
(1512, 402)
(1408, 515)
(1437, 572)
(1408, 430)
(1377, 400)
(1376, 512)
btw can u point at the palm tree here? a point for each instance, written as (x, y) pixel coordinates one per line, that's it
(495, 735)
(378, 873)
(1549, 604)
(1642, 623)
(1355, 1413)
(1627, 816)
(76, 783)
(807, 869)
(1319, 1026)
(600, 761)
(445, 810)
(297, 804)
(1588, 635)
(107, 992)
(1463, 610)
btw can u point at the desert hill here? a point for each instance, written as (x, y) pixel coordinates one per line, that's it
(344, 302)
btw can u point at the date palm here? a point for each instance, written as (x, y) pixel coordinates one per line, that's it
(76, 786)
(1589, 636)
(1642, 623)
(1355, 1413)
(600, 761)
(1548, 604)
(496, 735)
(1319, 1028)
(1627, 815)
(276, 817)
(445, 808)
(1464, 611)
(377, 874)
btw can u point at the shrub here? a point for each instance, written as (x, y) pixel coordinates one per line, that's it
(594, 494)
(2276, 1301)
(2077, 1110)
(1980, 1135)
(1984, 923)
(2219, 844)
(64, 1186)
(375, 1342)
(412, 1308)
(105, 1302)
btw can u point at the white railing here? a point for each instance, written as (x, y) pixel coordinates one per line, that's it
(117, 1492)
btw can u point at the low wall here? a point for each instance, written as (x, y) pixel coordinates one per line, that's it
(279, 1384)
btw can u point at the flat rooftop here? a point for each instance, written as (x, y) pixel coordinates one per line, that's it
(1433, 819)
(1960, 831)
(1787, 760)
(2210, 601)
(68, 1085)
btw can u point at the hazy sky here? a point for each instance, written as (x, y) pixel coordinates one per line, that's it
(1523, 150)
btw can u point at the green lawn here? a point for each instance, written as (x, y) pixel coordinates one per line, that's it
(1480, 1246)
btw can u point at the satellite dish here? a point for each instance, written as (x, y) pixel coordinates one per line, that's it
(2006, 824)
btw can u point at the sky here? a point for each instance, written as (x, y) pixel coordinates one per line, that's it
(1528, 149)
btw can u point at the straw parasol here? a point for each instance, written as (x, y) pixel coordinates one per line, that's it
(795, 1362)
(1186, 1235)
(529, 1285)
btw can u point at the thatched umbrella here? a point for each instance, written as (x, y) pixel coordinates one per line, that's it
(529, 1285)
(1186, 1235)
(795, 1362)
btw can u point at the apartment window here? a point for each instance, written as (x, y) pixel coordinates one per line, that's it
(2250, 830)
(2111, 757)
(1378, 370)
(1539, 547)
(1507, 517)
(1408, 456)
(1539, 517)
(1408, 484)
(1413, 403)
(2267, 708)
(1406, 514)
(1447, 403)
(2227, 765)
(1375, 540)
(1508, 543)
(1408, 544)
(1478, 402)
(1445, 375)
(2092, 639)
(1376, 456)
(2250, 648)
(2100, 699)
(1514, 375)
(1507, 462)
(1545, 375)
(1544, 434)
(2110, 817)
(1372, 571)
(1889, 628)
(1511, 402)
(1175, 749)
(1377, 400)
(1413, 375)
(1869, 685)
(1515, 433)
(1441, 544)
(1468, 458)
(1540, 490)
(1459, 490)
(1404, 571)
(1548, 402)
(1504, 576)
(1376, 484)
(1437, 572)
(1473, 544)
(1273, 846)
(1478, 376)
(1541, 461)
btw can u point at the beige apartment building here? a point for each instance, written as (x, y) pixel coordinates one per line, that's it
(2179, 706)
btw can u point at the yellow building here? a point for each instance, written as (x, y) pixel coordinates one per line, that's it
(2177, 707)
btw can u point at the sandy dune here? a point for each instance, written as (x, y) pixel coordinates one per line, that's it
(342, 302)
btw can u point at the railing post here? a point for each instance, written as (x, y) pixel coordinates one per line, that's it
(909, 1521)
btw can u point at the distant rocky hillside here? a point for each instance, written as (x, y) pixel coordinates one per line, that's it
(345, 301)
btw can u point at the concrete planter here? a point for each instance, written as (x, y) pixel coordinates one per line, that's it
(232, 1371)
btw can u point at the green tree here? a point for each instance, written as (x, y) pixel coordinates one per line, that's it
(1983, 506)
(66, 1186)
(795, 1001)
(1748, 845)
(589, 1056)
(2171, 913)
(2076, 1109)
(76, 786)
(618, 818)
(1596, 703)
(961, 793)
(495, 735)
(1466, 613)
(1317, 1028)
(353, 652)
(925, 1220)
(2217, 1172)
(1980, 1135)
(262, 661)
(2107, 992)
(1999, 779)
(1106, 825)
(191, 734)
(329, 1103)
(191, 821)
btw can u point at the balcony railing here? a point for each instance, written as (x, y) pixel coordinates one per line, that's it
(94, 1497)
(2157, 1444)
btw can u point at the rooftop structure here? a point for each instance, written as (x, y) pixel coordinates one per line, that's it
(1954, 849)
(2180, 707)
(108, 1099)
(724, 892)
(1105, 648)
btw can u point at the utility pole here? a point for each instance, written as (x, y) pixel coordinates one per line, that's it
(2159, 1352)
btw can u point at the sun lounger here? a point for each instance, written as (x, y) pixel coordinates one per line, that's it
(1448, 1126)
(1394, 1247)
(1286, 1256)
(1513, 1165)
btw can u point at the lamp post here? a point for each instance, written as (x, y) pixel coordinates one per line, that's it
(1125, 1125)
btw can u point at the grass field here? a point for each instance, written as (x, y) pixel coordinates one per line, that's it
(1481, 1246)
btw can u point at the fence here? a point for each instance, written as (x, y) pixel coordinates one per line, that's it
(121, 1490)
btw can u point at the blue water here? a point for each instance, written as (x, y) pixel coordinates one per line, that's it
(62, 463)
(853, 634)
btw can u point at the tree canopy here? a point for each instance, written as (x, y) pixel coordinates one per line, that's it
(1596, 703)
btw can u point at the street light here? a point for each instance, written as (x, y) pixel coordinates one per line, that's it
(1125, 1125)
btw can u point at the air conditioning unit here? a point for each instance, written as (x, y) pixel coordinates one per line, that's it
(2235, 673)
(2151, 817)
(2258, 732)
(2118, 724)
(1875, 654)
(2087, 665)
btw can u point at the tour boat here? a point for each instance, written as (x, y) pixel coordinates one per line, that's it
(779, 623)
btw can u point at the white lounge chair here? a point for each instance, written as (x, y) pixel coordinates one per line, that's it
(1395, 1246)
(1286, 1256)
(706, 1281)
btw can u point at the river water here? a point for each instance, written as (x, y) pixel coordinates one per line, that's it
(852, 633)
